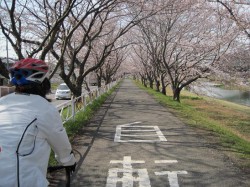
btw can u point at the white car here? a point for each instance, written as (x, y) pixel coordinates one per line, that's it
(63, 92)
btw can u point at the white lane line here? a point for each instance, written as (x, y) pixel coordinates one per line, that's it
(172, 176)
(132, 130)
(135, 135)
(165, 161)
(159, 133)
(130, 127)
(127, 179)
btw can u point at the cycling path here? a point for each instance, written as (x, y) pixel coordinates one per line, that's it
(133, 141)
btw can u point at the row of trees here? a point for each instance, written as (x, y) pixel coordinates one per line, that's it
(189, 40)
(78, 36)
(164, 42)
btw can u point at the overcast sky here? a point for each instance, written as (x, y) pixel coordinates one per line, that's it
(3, 50)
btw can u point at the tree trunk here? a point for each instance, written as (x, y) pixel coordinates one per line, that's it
(77, 91)
(151, 83)
(99, 82)
(163, 89)
(176, 94)
(144, 83)
(157, 83)
(108, 80)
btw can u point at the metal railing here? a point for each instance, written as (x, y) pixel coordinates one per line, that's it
(70, 108)
(4, 90)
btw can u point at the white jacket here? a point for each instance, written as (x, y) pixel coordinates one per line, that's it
(17, 111)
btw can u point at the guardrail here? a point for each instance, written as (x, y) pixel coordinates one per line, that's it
(69, 109)
(4, 90)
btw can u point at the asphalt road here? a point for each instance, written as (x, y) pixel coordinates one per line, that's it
(135, 142)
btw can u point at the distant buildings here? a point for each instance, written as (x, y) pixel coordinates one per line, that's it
(7, 63)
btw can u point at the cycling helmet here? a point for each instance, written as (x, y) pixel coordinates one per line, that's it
(27, 71)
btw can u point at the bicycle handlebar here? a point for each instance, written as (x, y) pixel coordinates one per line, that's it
(55, 168)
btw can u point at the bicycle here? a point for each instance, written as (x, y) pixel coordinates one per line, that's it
(68, 169)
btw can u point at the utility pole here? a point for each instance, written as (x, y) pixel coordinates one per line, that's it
(7, 53)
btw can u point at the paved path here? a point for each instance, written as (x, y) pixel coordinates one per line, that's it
(135, 142)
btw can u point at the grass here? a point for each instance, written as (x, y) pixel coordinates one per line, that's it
(81, 119)
(228, 122)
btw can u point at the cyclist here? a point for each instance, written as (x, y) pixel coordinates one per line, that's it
(29, 127)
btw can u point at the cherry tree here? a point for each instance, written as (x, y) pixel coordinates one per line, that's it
(186, 39)
(69, 30)
(32, 27)
(109, 70)
(236, 10)
(235, 63)
(140, 64)
(99, 25)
